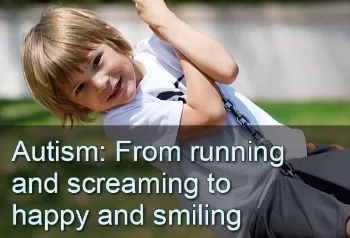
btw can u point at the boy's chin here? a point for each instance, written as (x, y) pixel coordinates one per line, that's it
(128, 97)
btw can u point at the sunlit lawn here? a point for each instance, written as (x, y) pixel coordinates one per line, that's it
(29, 113)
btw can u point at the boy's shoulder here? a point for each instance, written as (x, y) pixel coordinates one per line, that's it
(164, 78)
(153, 45)
(160, 51)
(144, 120)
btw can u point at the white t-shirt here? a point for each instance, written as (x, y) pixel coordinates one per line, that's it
(158, 104)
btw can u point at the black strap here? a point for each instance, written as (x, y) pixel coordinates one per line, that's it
(257, 136)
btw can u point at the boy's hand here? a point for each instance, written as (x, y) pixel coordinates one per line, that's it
(153, 12)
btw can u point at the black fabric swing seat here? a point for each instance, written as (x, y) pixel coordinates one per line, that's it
(327, 168)
(315, 202)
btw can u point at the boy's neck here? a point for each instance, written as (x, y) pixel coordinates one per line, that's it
(140, 71)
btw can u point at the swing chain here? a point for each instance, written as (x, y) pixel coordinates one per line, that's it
(258, 136)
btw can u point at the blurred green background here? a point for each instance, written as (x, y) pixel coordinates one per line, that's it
(28, 112)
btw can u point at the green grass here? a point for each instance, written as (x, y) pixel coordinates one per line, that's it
(27, 112)
(309, 113)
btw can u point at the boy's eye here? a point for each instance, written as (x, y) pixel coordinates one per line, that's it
(96, 62)
(80, 87)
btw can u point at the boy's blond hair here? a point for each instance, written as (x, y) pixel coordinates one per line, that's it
(55, 48)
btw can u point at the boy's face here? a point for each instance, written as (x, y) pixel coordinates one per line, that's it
(109, 80)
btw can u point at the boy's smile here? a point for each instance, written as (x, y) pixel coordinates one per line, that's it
(117, 89)
(108, 79)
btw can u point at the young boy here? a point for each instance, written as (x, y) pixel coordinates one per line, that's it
(76, 64)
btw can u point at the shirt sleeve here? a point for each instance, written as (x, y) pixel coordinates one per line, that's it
(163, 52)
(145, 121)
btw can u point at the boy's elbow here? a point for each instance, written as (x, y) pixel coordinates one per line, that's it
(216, 117)
(230, 72)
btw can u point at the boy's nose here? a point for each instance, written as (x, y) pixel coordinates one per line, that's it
(100, 83)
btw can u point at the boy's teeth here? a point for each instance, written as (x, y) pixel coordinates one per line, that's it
(116, 88)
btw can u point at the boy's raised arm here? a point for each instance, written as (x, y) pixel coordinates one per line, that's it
(204, 111)
(207, 54)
